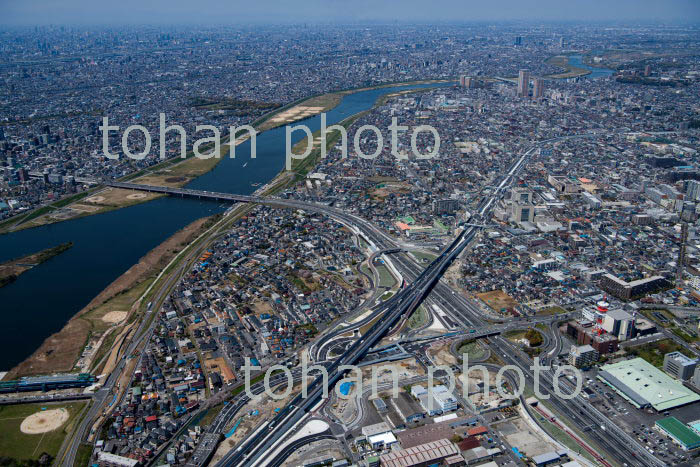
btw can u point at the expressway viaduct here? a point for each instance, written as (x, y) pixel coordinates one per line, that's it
(255, 448)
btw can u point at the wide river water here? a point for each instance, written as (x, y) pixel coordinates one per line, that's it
(577, 61)
(44, 298)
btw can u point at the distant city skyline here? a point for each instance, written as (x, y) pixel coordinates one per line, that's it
(33, 12)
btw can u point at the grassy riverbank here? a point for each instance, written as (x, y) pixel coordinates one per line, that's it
(570, 71)
(11, 270)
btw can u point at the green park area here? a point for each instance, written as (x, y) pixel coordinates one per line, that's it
(475, 351)
(418, 318)
(28, 431)
(654, 352)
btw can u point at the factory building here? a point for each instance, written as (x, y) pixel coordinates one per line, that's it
(696, 377)
(442, 400)
(379, 435)
(679, 432)
(423, 455)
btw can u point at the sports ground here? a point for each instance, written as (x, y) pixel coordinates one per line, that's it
(48, 421)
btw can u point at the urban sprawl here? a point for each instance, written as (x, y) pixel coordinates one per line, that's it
(567, 185)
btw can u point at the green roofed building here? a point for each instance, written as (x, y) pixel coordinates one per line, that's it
(680, 433)
(644, 385)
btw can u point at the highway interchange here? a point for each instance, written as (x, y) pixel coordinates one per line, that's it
(421, 284)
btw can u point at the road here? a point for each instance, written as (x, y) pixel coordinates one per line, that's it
(398, 306)
(140, 339)
(462, 312)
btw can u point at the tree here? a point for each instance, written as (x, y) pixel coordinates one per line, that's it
(533, 337)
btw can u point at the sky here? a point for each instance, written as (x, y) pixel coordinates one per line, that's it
(31, 12)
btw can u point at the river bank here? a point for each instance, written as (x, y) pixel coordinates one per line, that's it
(12, 269)
(106, 313)
(176, 172)
(107, 244)
(577, 65)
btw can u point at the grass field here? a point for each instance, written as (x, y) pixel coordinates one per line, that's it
(385, 277)
(17, 445)
(654, 352)
(424, 258)
(552, 310)
(82, 457)
(418, 318)
(530, 335)
(651, 314)
(473, 349)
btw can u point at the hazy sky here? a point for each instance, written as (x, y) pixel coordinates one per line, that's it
(275, 11)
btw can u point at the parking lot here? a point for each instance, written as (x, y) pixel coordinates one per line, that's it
(640, 422)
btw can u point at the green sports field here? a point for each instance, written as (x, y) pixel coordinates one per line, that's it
(21, 446)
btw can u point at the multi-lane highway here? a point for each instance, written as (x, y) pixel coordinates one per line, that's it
(400, 305)
(421, 283)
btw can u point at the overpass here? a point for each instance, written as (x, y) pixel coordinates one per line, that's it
(400, 305)
(254, 450)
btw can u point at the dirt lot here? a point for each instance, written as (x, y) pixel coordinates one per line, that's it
(60, 351)
(44, 421)
(180, 174)
(440, 354)
(379, 194)
(527, 440)
(308, 108)
(497, 300)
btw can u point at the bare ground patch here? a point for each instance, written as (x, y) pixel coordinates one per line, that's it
(44, 421)
(497, 300)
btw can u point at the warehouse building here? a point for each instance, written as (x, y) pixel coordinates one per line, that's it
(410, 411)
(679, 432)
(644, 385)
(378, 435)
(423, 455)
(437, 431)
(442, 400)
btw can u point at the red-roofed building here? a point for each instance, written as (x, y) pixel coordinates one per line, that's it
(477, 430)
(468, 443)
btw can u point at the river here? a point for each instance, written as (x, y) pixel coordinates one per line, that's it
(43, 299)
(577, 61)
